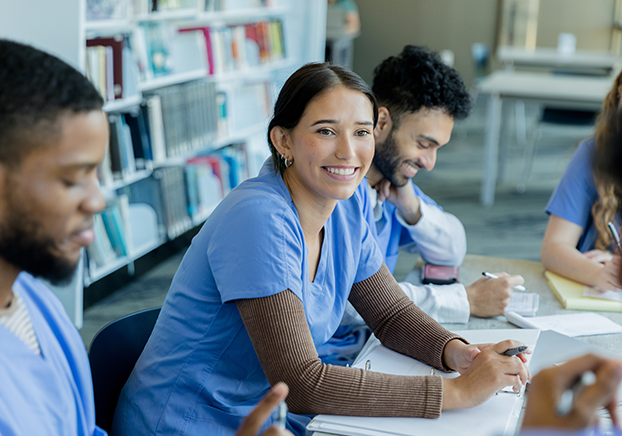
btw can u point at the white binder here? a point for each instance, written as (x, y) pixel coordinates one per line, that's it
(499, 415)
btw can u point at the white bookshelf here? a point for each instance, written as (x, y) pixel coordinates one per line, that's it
(60, 27)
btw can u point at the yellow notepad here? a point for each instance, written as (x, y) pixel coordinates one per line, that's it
(570, 295)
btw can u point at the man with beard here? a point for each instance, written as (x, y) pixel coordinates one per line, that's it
(419, 97)
(53, 135)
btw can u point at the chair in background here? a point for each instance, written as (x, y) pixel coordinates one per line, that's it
(113, 354)
(552, 116)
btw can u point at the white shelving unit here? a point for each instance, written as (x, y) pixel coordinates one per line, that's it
(60, 27)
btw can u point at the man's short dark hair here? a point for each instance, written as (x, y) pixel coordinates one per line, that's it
(36, 89)
(417, 78)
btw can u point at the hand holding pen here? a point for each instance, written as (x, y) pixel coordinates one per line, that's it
(256, 419)
(492, 276)
(565, 398)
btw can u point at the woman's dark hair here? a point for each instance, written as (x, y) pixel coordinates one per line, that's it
(36, 89)
(417, 78)
(306, 84)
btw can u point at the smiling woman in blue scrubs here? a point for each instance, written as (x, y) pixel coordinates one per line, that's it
(266, 281)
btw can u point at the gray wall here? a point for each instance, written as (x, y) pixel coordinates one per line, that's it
(388, 25)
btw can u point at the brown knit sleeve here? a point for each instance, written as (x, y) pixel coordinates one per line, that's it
(397, 322)
(280, 334)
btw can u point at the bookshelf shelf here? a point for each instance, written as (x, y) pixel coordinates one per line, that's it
(98, 273)
(123, 104)
(240, 136)
(253, 73)
(98, 26)
(172, 79)
(109, 190)
(179, 14)
(247, 14)
(146, 248)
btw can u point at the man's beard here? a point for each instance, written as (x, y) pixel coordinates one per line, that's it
(22, 246)
(388, 161)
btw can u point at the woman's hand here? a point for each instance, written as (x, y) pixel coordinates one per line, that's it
(598, 256)
(253, 422)
(609, 279)
(484, 371)
(549, 384)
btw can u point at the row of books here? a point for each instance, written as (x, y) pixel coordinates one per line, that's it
(121, 9)
(112, 231)
(110, 67)
(236, 48)
(170, 122)
(181, 197)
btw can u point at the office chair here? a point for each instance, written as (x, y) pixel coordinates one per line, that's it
(113, 354)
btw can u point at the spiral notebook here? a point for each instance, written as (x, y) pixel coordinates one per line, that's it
(497, 416)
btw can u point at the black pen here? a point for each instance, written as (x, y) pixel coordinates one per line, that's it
(514, 351)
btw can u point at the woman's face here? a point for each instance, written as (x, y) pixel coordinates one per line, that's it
(332, 145)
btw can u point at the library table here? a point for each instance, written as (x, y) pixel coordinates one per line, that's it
(554, 348)
(583, 60)
(557, 91)
(533, 273)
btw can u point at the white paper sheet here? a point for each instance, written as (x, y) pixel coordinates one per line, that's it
(497, 416)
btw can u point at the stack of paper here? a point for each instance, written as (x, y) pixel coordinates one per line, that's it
(497, 416)
(571, 295)
(572, 324)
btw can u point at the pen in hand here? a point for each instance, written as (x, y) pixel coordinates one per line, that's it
(492, 276)
(514, 351)
(564, 405)
(281, 419)
(615, 235)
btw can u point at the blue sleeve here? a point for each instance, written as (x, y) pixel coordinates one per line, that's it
(257, 251)
(576, 193)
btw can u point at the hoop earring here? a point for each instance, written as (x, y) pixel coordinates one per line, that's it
(286, 162)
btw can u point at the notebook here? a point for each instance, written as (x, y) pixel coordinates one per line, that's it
(524, 303)
(497, 416)
(571, 324)
(570, 295)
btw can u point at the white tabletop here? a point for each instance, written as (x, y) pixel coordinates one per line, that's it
(548, 56)
(566, 90)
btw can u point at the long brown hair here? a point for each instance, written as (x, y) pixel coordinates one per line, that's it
(609, 199)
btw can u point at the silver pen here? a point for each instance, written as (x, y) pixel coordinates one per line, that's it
(281, 419)
(615, 235)
(564, 405)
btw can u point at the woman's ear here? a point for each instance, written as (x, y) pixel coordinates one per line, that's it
(384, 125)
(281, 140)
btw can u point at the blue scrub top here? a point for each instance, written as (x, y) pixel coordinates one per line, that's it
(389, 233)
(576, 193)
(199, 373)
(49, 394)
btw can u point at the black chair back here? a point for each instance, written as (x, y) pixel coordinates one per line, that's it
(113, 354)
